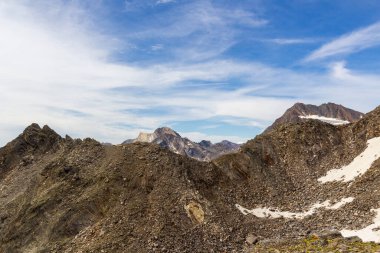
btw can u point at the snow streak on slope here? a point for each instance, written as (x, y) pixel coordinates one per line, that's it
(273, 213)
(332, 121)
(370, 233)
(357, 167)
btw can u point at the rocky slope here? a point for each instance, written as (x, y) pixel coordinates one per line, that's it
(323, 243)
(330, 113)
(203, 151)
(285, 165)
(65, 195)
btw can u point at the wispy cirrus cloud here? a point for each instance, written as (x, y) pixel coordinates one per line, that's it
(63, 75)
(164, 1)
(349, 43)
(157, 47)
(201, 29)
(197, 17)
(291, 41)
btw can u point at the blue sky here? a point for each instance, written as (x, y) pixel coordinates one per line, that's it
(209, 69)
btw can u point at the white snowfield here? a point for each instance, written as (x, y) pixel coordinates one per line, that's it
(332, 121)
(357, 167)
(370, 233)
(274, 213)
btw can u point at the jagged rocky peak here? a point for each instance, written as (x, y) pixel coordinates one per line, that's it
(227, 143)
(36, 128)
(143, 137)
(166, 131)
(33, 141)
(331, 110)
(36, 136)
(205, 143)
(161, 132)
(170, 139)
(334, 114)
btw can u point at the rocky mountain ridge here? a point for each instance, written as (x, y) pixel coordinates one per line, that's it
(65, 195)
(202, 151)
(329, 112)
(286, 166)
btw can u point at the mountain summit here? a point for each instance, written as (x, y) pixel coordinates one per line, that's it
(202, 151)
(330, 113)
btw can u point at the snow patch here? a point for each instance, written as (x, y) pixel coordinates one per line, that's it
(275, 213)
(370, 233)
(333, 121)
(357, 167)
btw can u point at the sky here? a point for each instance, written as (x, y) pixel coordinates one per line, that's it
(209, 69)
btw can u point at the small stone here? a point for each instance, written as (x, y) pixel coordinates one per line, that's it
(251, 239)
(195, 212)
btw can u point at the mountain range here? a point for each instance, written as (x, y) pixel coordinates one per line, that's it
(307, 180)
(202, 151)
(207, 151)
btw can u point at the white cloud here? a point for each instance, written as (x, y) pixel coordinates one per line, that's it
(349, 43)
(247, 122)
(254, 108)
(164, 1)
(354, 89)
(157, 47)
(55, 70)
(291, 41)
(201, 29)
(339, 70)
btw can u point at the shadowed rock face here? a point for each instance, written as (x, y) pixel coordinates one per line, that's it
(64, 195)
(33, 141)
(329, 110)
(203, 151)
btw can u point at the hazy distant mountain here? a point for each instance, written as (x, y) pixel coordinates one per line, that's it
(203, 151)
(329, 113)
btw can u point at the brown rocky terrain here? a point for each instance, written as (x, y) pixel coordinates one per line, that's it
(298, 111)
(283, 167)
(65, 195)
(321, 243)
(202, 151)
